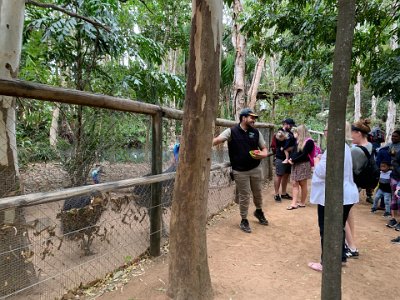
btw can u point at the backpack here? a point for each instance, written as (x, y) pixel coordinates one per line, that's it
(316, 151)
(368, 178)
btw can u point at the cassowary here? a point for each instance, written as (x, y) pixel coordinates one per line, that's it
(143, 194)
(79, 216)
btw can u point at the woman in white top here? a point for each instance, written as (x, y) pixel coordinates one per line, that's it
(317, 196)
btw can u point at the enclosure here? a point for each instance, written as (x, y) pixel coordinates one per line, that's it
(68, 231)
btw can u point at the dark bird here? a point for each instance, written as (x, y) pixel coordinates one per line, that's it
(143, 194)
(79, 217)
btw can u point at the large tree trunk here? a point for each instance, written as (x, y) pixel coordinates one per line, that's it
(189, 276)
(333, 230)
(255, 83)
(15, 272)
(357, 99)
(239, 43)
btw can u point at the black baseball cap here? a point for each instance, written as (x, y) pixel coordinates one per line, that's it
(248, 112)
(289, 122)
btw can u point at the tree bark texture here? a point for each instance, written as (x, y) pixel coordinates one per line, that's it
(357, 98)
(189, 276)
(255, 83)
(15, 272)
(333, 230)
(239, 43)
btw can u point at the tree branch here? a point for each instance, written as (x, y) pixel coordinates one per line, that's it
(67, 12)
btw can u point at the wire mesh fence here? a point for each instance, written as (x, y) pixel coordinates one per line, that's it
(48, 249)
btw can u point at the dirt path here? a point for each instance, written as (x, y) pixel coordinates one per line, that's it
(271, 262)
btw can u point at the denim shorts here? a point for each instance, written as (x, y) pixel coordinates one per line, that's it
(282, 169)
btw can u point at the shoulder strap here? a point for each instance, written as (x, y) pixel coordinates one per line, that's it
(366, 152)
(306, 140)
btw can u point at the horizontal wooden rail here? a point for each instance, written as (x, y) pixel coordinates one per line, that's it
(316, 132)
(47, 197)
(26, 89)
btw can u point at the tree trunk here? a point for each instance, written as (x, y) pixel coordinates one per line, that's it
(255, 83)
(391, 119)
(239, 43)
(54, 126)
(15, 272)
(273, 63)
(189, 276)
(374, 105)
(357, 99)
(391, 113)
(333, 230)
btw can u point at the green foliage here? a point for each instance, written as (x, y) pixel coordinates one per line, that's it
(385, 81)
(126, 61)
(32, 132)
(304, 33)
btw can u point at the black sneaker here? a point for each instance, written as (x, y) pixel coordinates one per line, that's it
(392, 223)
(259, 214)
(397, 227)
(277, 198)
(286, 196)
(373, 210)
(396, 240)
(386, 215)
(351, 253)
(244, 225)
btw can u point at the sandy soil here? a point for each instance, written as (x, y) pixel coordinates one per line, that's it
(271, 262)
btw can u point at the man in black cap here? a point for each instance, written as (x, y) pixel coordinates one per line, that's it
(246, 147)
(282, 170)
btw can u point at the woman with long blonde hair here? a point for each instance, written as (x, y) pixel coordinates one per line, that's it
(301, 165)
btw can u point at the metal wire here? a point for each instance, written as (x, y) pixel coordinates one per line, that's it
(51, 248)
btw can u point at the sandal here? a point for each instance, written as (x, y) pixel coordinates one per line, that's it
(292, 207)
(301, 205)
(315, 266)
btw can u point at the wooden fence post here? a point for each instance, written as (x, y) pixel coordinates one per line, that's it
(156, 168)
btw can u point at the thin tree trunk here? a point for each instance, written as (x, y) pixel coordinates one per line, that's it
(333, 229)
(189, 276)
(391, 119)
(15, 272)
(392, 107)
(273, 62)
(54, 126)
(255, 83)
(357, 98)
(239, 43)
(374, 104)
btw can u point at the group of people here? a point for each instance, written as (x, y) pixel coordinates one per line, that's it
(387, 194)
(298, 159)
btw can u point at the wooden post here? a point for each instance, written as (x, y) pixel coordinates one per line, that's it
(156, 168)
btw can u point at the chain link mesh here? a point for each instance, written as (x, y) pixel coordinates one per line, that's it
(48, 249)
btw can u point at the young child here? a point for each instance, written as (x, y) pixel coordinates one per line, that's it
(384, 189)
(283, 136)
